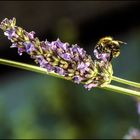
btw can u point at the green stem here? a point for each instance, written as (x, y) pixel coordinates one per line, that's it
(44, 71)
(120, 80)
(28, 67)
(122, 90)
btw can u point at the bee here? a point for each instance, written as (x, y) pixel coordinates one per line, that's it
(108, 46)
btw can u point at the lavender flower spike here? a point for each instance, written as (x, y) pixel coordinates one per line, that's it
(70, 61)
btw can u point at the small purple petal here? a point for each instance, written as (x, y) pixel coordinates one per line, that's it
(43, 63)
(10, 34)
(20, 50)
(82, 52)
(89, 86)
(41, 60)
(48, 66)
(57, 43)
(29, 47)
(44, 46)
(87, 64)
(81, 65)
(74, 49)
(53, 46)
(77, 79)
(47, 43)
(59, 70)
(4, 23)
(96, 54)
(59, 47)
(76, 58)
(65, 46)
(31, 34)
(66, 56)
(102, 56)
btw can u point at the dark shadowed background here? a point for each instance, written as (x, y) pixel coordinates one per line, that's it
(33, 105)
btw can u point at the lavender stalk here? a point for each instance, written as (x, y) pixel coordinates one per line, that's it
(67, 61)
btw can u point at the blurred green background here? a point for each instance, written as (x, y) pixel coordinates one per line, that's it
(33, 105)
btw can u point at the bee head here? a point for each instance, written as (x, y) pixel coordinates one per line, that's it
(107, 48)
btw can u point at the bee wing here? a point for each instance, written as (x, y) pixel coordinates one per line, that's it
(121, 42)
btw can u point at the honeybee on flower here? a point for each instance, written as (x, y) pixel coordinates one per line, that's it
(107, 48)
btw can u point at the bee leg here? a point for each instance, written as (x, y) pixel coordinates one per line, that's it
(111, 56)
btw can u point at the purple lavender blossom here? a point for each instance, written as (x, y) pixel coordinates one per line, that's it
(66, 56)
(74, 49)
(102, 56)
(29, 46)
(49, 67)
(77, 79)
(59, 70)
(84, 66)
(11, 33)
(66, 60)
(92, 85)
(31, 35)
(81, 51)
